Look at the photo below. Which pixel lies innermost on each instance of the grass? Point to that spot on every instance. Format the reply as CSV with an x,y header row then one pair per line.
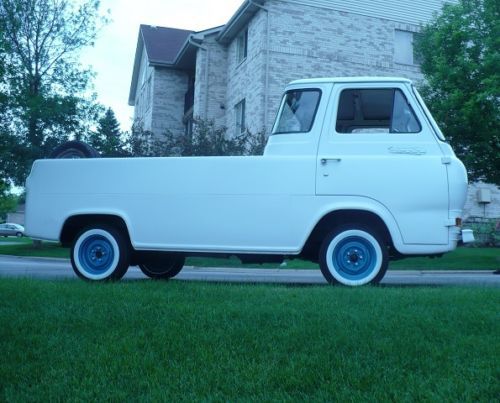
x,y
173,341
25,247
460,259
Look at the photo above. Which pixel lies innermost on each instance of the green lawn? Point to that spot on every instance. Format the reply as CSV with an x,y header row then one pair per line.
x,y
461,258
173,341
25,247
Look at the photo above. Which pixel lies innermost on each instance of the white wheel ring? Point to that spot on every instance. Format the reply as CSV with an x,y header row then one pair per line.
x,y
80,266
340,238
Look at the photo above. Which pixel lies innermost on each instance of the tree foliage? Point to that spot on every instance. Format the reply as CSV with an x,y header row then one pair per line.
x,y
8,202
460,55
44,83
107,139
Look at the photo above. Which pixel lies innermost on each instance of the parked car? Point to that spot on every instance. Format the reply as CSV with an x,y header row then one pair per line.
x,y
9,229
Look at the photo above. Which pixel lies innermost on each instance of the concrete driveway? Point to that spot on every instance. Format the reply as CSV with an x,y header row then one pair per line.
x,y
12,266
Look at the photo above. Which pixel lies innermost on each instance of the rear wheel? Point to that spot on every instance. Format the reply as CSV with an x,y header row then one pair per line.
x,y
353,255
162,265
100,253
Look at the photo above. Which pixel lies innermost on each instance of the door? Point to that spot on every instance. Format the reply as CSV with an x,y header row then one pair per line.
x,y
378,146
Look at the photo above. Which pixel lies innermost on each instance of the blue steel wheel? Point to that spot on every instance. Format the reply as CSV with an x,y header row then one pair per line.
x,y
100,253
353,255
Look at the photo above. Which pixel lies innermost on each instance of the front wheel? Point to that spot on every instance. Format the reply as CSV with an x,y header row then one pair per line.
x,y
162,266
353,255
19,234
100,253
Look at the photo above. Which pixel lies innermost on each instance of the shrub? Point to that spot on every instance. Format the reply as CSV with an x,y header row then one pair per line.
x,y
206,139
486,231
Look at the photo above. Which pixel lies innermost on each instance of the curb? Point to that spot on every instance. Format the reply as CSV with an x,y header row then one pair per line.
x,y
281,269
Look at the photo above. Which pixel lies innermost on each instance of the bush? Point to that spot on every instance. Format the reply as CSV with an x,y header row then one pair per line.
x,y
486,231
206,139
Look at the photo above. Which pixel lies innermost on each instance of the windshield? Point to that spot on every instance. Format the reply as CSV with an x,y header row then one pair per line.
x,y
297,111
434,125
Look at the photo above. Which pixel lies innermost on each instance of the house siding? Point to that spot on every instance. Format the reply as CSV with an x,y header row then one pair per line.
x,y
246,79
407,11
169,87
473,208
210,95
143,111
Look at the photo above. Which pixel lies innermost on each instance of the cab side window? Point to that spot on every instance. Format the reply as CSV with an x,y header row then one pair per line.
x,y
384,110
298,111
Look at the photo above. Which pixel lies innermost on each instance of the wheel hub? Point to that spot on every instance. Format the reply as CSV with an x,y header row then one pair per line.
x,y
354,256
97,253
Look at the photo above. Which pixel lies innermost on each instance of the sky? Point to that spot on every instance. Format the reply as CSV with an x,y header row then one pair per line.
x,y
112,57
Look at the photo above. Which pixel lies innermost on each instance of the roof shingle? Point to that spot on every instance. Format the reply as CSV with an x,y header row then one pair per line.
x,y
163,44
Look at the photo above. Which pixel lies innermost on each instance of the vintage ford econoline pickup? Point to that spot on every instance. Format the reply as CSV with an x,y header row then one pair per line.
x,y
355,172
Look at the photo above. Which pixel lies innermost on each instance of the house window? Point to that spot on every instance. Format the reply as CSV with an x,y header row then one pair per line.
x,y
384,110
188,127
297,111
239,110
148,94
242,46
404,52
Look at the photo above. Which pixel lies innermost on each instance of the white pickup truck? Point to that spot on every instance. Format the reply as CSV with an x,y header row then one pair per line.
x,y
355,172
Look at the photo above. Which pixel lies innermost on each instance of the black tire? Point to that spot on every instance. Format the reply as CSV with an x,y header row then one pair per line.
x,y
353,255
162,265
19,234
74,149
100,253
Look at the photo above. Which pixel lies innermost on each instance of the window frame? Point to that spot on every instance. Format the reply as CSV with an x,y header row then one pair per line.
x,y
242,46
282,105
240,118
414,59
390,132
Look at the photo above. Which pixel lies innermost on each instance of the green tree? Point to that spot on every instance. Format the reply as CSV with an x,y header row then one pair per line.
x,y
460,58
45,83
8,202
108,137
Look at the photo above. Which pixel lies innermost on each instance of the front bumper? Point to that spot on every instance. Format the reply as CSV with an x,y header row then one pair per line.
x,y
467,236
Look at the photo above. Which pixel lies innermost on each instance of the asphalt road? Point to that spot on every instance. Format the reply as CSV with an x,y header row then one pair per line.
x,y
13,266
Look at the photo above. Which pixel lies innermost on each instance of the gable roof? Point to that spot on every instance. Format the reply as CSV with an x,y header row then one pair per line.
x,y
161,45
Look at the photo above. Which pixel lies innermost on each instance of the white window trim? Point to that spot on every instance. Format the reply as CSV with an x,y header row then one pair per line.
x,y
242,46
404,51
240,117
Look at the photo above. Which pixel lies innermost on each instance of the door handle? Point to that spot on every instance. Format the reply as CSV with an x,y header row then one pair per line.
x,y
324,161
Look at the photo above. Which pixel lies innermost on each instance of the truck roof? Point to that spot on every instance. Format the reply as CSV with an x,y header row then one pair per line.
x,y
352,80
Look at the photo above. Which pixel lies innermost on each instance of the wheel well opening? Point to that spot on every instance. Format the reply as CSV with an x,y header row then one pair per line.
x,y
343,217
75,224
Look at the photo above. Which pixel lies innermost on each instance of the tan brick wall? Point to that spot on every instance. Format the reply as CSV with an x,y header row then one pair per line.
x,y
169,88
485,210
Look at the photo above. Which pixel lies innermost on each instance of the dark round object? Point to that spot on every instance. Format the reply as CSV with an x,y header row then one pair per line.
x,y
163,265
100,253
353,255
19,234
74,149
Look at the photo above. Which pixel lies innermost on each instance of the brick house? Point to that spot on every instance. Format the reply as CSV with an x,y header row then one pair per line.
x,y
235,73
